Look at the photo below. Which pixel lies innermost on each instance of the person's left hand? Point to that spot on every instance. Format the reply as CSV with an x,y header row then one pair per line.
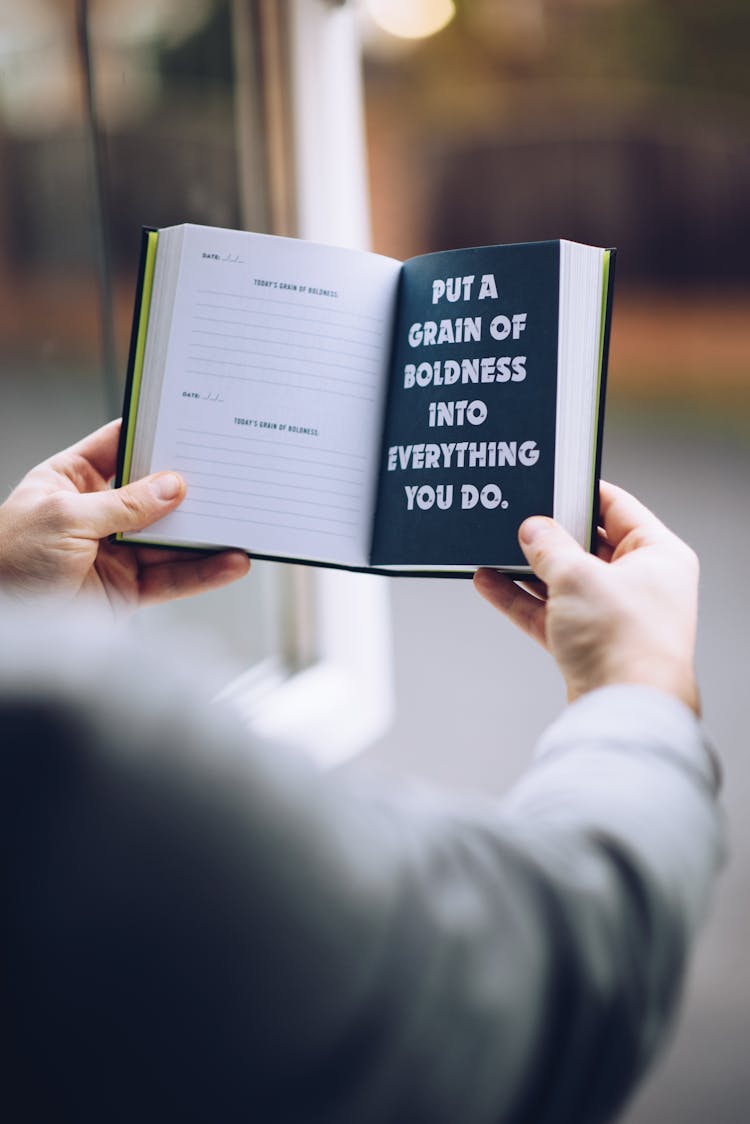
x,y
54,530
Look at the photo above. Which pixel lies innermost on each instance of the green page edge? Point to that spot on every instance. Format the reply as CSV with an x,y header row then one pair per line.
x,y
152,239
140,347
598,395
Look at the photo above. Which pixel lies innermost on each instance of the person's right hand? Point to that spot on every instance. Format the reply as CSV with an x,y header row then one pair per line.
x,y
627,615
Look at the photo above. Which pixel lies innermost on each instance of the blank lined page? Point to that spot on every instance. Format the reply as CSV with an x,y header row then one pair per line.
x,y
273,394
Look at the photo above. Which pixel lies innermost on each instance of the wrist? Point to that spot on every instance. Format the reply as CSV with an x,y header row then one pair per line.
x,y
670,677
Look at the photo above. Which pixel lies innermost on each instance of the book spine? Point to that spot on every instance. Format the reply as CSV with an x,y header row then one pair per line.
x,y
129,405
606,331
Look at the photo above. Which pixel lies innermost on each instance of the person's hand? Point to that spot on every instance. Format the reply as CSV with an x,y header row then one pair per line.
x,y
627,615
54,528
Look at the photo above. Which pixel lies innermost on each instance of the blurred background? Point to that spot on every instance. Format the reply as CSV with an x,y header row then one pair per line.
x,y
616,122
619,123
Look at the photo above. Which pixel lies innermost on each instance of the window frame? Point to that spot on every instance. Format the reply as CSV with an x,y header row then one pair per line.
x,y
330,692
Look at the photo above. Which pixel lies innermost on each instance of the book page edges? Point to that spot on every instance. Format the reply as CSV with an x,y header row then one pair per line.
x,y
608,277
138,349
396,571
581,348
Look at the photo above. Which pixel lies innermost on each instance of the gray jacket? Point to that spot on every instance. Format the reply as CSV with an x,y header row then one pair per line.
x,y
200,928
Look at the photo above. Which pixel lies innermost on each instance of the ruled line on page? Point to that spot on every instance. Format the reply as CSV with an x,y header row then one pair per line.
x,y
320,309
234,464
267,441
285,510
286,331
285,346
268,523
283,350
306,508
270,496
276,382
272,370
269,314
278,483
278,456
295,526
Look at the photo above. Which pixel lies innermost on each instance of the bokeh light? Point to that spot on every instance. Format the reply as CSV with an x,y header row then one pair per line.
x,y
411,19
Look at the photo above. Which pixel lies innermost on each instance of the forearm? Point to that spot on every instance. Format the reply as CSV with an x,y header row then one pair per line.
x,y
512,962
619,814
632,766
563,918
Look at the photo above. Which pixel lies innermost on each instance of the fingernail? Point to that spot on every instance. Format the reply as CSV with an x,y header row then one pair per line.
x,y
166,486
530,530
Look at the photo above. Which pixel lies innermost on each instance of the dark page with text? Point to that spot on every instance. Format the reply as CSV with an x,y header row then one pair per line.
x,y
469,436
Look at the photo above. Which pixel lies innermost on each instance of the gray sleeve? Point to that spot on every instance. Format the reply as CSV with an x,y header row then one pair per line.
x,y
205,930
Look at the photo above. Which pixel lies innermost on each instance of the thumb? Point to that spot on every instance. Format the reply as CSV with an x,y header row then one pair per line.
x,y
132,507
552,553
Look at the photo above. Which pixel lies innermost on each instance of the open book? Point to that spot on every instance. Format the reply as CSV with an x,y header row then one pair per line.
x,y
338,407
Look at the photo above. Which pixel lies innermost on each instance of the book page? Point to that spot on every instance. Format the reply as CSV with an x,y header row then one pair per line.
x,y
273,395
469,445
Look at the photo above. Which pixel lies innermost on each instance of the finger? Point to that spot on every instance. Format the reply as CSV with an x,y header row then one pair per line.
x,y
536,588
523,609
553,554
130,508
622,515
191,575
97,451
603,549
158,555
